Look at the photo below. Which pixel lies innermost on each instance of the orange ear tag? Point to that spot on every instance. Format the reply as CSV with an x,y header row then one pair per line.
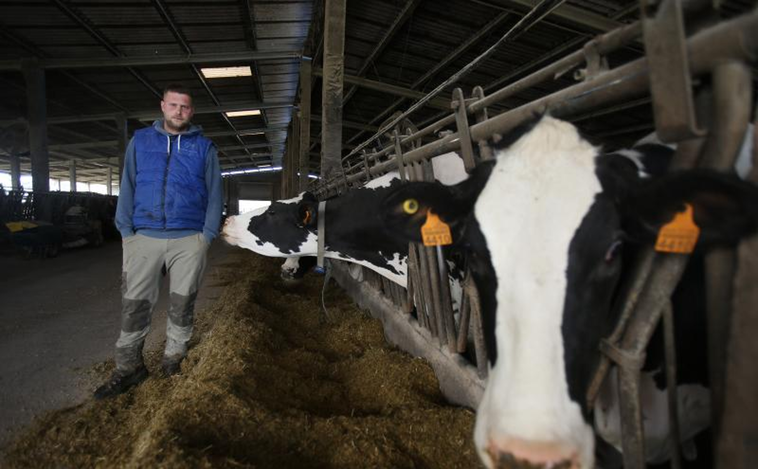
x,y
435,232
679,235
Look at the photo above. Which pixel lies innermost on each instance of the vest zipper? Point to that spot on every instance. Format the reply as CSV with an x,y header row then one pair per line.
x,y
165,180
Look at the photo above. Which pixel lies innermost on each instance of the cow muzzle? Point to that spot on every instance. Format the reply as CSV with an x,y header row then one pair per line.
x,y
522,454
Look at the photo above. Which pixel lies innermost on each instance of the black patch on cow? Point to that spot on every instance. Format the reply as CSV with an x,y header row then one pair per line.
x,y
278,226
354,227
655,158
690,330
479,260
590,284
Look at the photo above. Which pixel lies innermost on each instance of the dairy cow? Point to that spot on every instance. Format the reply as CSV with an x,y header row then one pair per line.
x,y
547,224
354,231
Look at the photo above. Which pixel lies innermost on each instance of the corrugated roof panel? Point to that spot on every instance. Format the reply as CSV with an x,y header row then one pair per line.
x,y
33,13
208,47
119,15
281,30
279,44
300,11
207,13
56,36
149,34
213,32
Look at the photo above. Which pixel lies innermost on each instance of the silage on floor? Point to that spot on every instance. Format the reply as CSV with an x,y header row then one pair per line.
x,y
267,384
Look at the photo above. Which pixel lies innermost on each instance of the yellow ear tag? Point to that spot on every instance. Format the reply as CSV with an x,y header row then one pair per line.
x,y
435,232
679,235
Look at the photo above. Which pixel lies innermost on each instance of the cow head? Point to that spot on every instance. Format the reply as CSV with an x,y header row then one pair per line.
x,y
545,224
283,229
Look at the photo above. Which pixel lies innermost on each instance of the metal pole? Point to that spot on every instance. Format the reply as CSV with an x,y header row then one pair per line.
x,y
72,175
15,161
110,180
305,121
730,40
334,69
732,99
121,131
36,100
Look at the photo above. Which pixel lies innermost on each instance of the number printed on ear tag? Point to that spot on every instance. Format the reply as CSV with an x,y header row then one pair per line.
x,y
680,234
435,232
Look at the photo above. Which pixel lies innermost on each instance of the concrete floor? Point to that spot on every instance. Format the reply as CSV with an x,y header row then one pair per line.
x,y
58,318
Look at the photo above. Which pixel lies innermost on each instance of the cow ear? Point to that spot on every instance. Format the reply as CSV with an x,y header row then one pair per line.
x,y
724,207
404,209
307,213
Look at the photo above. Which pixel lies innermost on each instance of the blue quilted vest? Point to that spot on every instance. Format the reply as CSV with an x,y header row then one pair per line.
x,y
170,191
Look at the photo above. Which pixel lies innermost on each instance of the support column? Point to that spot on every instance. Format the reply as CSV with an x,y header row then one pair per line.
x,y
305,121
15,172
36,105
295,156
121,131
110,181
72,175
334,70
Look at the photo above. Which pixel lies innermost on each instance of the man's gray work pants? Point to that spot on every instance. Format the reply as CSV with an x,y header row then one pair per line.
x,y
141,279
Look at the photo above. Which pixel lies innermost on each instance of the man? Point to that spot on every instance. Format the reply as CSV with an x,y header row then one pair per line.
x,y
168,212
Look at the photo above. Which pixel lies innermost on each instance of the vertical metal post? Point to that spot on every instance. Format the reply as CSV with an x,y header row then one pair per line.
x,y
36,105
485,151
305,121
332,79
461,121
15,172
737,442
121,131
72,175
399,155
732,99
295,157
110,181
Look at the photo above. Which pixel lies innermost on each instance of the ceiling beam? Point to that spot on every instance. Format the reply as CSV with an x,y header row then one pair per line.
x,y
438,103
575,15
405,13
78,18
156,114
449,59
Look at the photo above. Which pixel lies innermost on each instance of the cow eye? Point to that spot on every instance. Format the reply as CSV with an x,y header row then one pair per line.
x,y
614,250
410,206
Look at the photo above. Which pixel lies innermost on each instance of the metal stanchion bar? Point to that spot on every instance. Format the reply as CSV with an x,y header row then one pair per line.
x,y
606,43
729,40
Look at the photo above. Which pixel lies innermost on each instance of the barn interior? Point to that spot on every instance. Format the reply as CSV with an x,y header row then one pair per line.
x,y
79,77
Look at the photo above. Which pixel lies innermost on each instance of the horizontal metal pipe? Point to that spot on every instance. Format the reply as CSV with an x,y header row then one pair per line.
x,y
605,44
729,40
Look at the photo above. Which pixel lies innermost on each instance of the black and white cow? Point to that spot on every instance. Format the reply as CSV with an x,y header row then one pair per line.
x,y
545,224
354,230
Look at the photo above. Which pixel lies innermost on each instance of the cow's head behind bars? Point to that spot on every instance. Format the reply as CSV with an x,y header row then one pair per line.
x,y
545,223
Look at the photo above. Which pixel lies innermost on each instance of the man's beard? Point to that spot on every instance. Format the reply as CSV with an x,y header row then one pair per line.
x,y
169,123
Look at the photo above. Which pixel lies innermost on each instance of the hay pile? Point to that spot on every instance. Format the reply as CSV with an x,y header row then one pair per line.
x,y
267,385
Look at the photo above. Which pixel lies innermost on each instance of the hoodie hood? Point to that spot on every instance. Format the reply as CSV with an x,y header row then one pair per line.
x,y
193,129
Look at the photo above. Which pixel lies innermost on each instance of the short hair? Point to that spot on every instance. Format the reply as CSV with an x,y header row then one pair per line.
x,y
177,88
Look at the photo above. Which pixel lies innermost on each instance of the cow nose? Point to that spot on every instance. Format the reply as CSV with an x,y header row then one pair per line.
x,y
516,453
